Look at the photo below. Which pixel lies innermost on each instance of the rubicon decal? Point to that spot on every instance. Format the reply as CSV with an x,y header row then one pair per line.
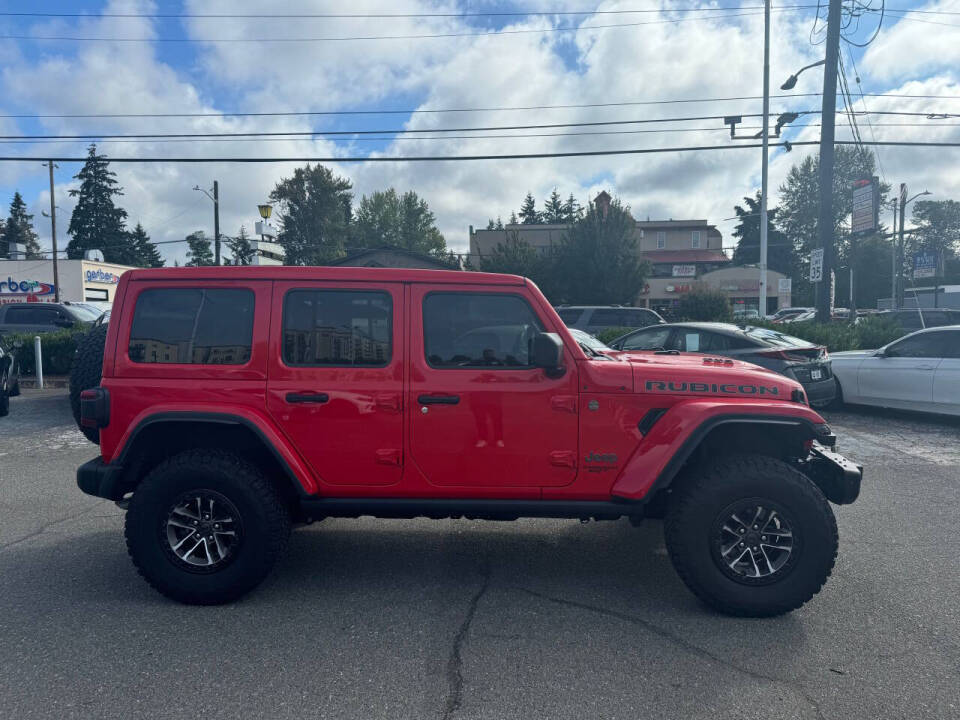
x,y
719,388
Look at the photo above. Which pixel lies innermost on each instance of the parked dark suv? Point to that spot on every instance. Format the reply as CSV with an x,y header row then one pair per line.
x,y
43,317
595,318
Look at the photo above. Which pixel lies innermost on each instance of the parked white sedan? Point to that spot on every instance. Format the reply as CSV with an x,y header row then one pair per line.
x,y
918,372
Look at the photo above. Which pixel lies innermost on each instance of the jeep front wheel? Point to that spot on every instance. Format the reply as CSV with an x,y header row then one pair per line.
x,y
751,536
205,527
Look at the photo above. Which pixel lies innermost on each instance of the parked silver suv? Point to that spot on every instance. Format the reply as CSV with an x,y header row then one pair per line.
x,y
594,318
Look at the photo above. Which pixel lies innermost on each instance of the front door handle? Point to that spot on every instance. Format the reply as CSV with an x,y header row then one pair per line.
x,y
307,397
438,399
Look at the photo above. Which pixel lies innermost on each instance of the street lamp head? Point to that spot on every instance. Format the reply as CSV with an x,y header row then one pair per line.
x,y
790,84
265,211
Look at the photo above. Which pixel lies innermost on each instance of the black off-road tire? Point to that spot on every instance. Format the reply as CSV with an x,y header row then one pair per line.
x,y
264,521
697,505
86,372
15,383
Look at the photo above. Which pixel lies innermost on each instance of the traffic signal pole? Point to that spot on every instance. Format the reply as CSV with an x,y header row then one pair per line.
x,y
827,135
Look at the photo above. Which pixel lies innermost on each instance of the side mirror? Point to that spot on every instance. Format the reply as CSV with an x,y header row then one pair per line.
x,y
881,353
547,353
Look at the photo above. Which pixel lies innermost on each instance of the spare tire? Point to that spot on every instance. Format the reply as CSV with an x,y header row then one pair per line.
x,y
85,373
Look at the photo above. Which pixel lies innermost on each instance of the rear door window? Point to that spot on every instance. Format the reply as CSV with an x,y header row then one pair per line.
x,y
463,330
607,317
337,328
31,315
193,326
569,315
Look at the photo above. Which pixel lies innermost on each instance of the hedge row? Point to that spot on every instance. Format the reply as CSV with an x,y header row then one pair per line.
x,y
57,347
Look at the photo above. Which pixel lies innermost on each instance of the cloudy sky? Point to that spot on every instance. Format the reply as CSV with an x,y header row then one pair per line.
x,y
624,59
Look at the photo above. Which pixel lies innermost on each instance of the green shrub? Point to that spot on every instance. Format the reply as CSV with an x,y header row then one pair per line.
x,y
57,347
876,331
703,304
609,334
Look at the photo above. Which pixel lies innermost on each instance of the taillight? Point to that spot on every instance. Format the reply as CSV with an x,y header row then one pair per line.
x,y
95,408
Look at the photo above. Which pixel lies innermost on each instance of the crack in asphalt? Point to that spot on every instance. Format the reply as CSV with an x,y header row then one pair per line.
x,y
678,641
455,662
46,526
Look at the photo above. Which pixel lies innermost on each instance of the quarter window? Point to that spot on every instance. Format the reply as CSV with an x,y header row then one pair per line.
x,y
192,326
337,327
463,330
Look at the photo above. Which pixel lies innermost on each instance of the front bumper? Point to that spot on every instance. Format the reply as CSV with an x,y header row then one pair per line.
x,y
101,479
837,477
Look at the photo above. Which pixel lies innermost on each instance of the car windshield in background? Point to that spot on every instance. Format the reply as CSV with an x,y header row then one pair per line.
x,y
589,340
772,337
84,313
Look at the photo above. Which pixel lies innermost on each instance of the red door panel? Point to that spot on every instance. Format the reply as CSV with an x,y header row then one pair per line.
x,y
501,424
336,378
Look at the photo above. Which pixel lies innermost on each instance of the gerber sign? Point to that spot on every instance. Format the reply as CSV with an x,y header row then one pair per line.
x,y
101,276
11,286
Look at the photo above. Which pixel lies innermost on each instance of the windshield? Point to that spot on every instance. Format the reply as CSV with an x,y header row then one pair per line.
x,y
84,313
772,337
584,338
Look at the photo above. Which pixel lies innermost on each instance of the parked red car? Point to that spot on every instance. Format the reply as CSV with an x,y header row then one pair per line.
x,y
236,401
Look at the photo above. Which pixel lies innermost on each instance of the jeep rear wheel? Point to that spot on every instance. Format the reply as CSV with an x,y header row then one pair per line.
x,y
205,527
751,536
85,373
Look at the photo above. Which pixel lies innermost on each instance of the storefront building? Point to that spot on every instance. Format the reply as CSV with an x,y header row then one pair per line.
x,y
80,280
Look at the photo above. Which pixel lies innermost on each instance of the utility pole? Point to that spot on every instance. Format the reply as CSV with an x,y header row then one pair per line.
x,y
216,223
903,215
893,260
762,307
53,236
828,118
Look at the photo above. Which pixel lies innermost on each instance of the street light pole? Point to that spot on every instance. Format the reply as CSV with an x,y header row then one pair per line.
x,y
216,223
762,307
827,134
53,236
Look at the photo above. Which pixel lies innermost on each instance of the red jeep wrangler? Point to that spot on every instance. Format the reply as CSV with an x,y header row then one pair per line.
x,y
237,401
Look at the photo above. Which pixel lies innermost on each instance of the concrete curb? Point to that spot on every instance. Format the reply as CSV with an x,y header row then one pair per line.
x,y
49,381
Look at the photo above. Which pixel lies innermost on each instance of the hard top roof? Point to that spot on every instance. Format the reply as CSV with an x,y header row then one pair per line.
x,y
324,272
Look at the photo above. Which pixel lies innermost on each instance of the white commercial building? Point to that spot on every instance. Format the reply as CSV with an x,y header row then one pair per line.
x,y
80,280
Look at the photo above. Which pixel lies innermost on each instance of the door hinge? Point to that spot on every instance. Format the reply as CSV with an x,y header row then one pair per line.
x,y
564,403
563,458
389,402
389,456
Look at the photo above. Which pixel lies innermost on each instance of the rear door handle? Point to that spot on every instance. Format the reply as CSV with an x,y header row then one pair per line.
x,y
439,399
307,397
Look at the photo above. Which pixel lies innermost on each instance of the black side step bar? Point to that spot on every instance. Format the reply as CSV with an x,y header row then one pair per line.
x,y
467,508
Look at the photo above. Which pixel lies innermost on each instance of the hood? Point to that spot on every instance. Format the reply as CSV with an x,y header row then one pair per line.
x,y
707,376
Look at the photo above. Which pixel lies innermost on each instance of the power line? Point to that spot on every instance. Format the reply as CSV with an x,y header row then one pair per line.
x,y
422,131
723,129
420,36
415,111
462,158
397,15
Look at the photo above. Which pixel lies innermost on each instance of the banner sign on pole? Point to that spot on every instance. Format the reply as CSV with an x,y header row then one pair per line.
x,y
816,265
925,265
866,206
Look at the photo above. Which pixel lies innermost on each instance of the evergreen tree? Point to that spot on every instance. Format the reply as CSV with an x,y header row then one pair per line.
x,y
199,252
553,210
528,211
315,211
498,225
146,253
597,262
572,210
780,253
386,219
490,225
240,248
96,223
513,218
19,229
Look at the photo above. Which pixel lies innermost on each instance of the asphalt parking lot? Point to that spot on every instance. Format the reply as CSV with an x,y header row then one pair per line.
x,y
455,619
